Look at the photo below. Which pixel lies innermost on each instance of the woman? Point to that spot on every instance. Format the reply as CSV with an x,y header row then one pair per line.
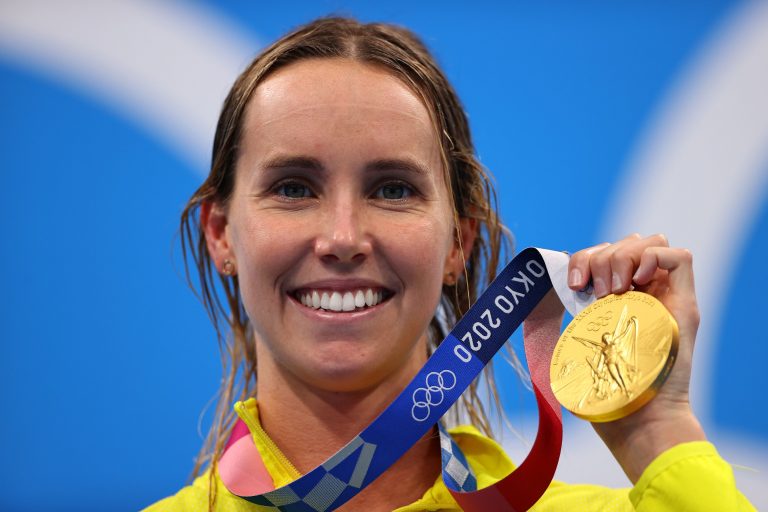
x,y
344,207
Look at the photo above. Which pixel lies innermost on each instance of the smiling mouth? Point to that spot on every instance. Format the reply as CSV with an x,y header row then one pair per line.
x,y
341,301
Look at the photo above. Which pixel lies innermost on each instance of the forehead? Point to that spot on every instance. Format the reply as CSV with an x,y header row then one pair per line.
x,y
308,103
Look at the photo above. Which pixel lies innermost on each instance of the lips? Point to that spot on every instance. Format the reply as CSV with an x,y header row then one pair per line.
x,y
347,300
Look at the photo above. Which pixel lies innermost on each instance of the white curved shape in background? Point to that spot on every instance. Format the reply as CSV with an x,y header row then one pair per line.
x,y
165,65
700,174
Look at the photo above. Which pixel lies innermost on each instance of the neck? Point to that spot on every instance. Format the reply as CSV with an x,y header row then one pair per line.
x,y
310,424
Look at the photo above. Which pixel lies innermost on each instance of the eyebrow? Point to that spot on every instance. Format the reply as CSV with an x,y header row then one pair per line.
x,y
403,164
294,162
381,164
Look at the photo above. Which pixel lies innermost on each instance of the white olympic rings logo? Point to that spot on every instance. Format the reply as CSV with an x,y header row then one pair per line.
x,y
432,394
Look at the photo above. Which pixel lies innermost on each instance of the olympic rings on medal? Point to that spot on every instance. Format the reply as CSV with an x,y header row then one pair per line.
x,y
432,394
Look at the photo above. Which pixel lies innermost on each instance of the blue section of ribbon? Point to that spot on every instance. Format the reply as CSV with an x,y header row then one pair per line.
x,y
501,309
462,355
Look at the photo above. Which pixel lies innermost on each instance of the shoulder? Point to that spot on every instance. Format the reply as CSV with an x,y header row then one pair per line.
x,y
195,497
490,464
485,456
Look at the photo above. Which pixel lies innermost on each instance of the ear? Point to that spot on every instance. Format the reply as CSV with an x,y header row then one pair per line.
x,y
461,250
213,220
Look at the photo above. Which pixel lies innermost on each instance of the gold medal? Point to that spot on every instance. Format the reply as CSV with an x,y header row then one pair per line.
x,y
614,356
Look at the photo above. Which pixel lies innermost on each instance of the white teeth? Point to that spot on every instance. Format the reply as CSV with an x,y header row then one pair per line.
x,y
348,302
336,302
315,300
341,301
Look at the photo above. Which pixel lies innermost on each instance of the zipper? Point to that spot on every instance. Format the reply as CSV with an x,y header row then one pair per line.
x,y
255,427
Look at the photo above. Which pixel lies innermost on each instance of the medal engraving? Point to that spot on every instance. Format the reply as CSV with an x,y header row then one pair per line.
x,y
614,356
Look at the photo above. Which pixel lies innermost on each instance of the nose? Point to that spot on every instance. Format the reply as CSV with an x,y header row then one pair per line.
x,y
343,235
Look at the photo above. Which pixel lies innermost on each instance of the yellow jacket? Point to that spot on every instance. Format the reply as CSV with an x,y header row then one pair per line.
x,y
690,476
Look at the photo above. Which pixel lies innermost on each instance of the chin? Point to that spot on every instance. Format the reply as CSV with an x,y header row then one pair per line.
x,y
343,375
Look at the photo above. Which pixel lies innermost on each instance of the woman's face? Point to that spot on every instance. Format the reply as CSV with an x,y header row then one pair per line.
x,y
340,224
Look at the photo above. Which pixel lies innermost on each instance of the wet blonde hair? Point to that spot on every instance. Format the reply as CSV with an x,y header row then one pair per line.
x,y
402,54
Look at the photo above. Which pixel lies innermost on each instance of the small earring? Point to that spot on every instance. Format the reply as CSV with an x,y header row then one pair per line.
x,y
228,269
449,279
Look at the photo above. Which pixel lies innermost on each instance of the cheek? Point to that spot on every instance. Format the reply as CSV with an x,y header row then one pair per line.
x,y
265,250
421,249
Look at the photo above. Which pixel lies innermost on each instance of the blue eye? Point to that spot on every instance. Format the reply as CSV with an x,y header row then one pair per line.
x,y
394,191
293,190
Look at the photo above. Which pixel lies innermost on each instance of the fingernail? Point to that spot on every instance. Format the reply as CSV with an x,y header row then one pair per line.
x,y
615,282
574,279
600,288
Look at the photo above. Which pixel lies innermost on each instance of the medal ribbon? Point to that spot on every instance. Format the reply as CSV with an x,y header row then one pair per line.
x,y
511,298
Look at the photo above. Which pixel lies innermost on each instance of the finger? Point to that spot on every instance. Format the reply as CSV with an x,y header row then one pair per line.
x,y
658,286
600,264
678,262
580,272
600,270
612,267
578,266
625,259
680,298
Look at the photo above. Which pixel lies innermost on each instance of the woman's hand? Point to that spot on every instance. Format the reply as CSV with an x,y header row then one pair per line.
x,y
648,265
